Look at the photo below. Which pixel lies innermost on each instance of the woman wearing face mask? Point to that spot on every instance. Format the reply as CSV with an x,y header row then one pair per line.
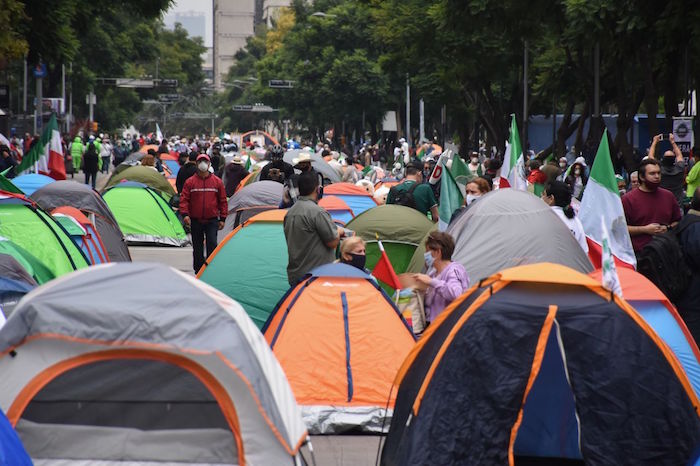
x,y
352,252
446,280
557,195
474,163
577,179
476,188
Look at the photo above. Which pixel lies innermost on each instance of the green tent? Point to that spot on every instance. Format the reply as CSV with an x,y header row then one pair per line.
x,y
29,227
145,175
31,264
143,215
400,229
250,265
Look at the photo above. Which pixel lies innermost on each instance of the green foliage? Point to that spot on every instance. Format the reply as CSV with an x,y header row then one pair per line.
x,y
12,44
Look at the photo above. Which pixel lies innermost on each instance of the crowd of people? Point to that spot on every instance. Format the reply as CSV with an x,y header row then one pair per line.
x,y
655,197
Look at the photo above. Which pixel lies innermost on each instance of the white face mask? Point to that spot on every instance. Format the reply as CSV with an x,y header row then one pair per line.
x,y
203,166
562,165
577,172
429,259
475,160
471,198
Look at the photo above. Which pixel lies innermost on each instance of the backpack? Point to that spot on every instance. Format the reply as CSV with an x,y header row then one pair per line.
x,y
663,262
406,198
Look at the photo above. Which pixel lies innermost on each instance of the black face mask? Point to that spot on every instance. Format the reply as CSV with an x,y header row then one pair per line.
x,y
668,161
358,261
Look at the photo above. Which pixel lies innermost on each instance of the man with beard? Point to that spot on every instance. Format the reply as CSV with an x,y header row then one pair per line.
x,y
650,210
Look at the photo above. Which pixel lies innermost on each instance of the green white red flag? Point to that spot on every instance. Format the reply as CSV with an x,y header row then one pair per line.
x,y
513,168
47,154
601,200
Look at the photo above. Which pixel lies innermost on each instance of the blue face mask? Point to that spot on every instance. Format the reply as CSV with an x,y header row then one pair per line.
x,y
429,259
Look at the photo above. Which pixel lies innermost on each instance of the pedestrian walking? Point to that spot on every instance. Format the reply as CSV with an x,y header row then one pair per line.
x,y
203,207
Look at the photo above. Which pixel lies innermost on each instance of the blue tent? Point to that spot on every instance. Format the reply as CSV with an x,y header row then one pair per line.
x,y
31,182
12,453
173,166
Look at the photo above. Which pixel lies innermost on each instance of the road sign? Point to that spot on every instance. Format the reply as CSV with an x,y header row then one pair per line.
x,y
257,108
40,70
167,82
280,84
90,99
134,83
169,97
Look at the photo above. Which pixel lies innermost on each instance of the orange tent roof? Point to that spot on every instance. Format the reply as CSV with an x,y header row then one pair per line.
x,y
345,188
144,149
72,212
274,215
334,203
635,286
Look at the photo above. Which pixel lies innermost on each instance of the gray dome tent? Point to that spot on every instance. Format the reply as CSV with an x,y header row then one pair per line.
x,y
173,373
82,197
507,228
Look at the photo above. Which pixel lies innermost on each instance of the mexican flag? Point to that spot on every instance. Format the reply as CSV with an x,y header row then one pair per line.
x,y
513,168
451,199
611,280
47,154
159,134
601,199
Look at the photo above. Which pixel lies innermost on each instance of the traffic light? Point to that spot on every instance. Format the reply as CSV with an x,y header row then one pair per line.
x,y
94,126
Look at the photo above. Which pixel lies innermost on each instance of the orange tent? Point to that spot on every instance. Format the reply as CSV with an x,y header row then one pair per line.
x,y
340,340
144,149
338,208
345,188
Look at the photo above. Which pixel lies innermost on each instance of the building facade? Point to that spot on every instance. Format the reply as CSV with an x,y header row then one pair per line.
x,y
234,22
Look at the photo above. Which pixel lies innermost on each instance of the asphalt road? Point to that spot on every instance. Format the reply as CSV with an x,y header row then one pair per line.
x,y
330,450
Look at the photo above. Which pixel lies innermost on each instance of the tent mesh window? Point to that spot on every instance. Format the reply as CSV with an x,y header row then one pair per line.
x,y
141,394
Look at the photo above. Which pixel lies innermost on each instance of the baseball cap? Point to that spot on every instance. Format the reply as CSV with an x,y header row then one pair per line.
x,y
203,157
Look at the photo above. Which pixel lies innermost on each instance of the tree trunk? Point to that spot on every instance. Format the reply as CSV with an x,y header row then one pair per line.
x,y
565,130
651,94
578,144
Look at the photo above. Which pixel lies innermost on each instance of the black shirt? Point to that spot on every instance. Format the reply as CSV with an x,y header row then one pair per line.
x,y
280,165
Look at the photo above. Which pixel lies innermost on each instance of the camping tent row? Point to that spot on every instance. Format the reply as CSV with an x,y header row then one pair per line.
x,y
197,384
32,229
91,204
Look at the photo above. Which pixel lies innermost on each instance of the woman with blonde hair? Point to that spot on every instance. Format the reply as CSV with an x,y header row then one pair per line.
x,y
352,252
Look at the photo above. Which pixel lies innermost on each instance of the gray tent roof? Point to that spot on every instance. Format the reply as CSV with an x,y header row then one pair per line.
x,y
260,193
317,163
82,197
162,307
506,228
256,194
10,268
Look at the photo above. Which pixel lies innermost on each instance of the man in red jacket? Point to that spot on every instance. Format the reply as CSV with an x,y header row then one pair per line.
x,y
203,207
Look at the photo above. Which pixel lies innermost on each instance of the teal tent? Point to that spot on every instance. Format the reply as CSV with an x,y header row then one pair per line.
x,y
250,265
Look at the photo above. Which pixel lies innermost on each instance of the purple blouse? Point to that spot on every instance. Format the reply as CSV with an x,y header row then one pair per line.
x,y
445,288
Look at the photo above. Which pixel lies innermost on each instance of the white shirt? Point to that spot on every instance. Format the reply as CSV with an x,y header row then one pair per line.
x,y
574,225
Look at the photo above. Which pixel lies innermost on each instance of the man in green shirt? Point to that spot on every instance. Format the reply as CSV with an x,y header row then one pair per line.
x,y
309,230
414,193
693,178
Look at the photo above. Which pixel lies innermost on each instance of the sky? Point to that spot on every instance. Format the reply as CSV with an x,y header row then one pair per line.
x,y
200,6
